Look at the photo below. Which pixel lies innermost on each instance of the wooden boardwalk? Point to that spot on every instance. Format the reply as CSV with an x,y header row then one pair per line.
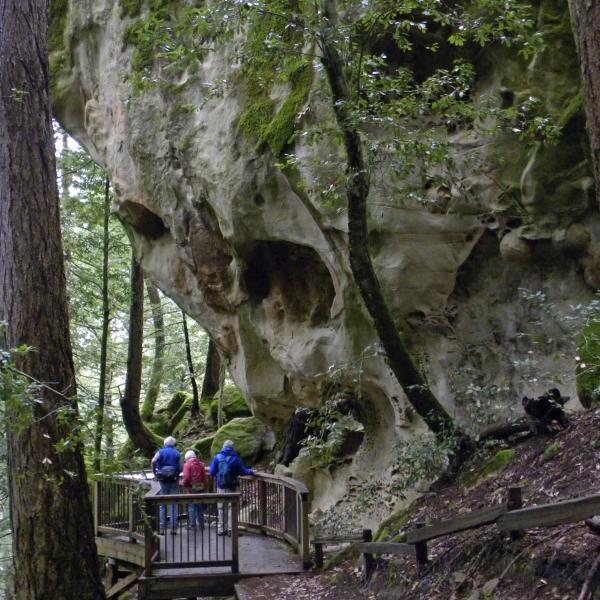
x,y
268,520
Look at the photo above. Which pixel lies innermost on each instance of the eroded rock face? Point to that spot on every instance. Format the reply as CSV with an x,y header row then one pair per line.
x,y
258,256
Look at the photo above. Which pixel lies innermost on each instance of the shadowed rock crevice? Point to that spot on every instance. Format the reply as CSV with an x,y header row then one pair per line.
x,y
293,277
144,221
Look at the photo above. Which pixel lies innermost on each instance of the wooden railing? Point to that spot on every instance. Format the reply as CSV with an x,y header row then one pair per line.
x,y
276,506
127,521
510,517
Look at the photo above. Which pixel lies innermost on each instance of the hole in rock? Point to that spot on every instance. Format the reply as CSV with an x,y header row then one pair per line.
x,y
144,221
294,276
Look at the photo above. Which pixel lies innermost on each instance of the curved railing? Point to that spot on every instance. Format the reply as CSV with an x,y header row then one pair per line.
x,y
127,521
276,506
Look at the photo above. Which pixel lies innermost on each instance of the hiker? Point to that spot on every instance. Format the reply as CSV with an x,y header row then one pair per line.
x,y
166,466
194,481
227,467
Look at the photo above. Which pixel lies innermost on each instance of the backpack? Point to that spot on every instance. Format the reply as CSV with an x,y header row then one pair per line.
x,y
167,473
227,478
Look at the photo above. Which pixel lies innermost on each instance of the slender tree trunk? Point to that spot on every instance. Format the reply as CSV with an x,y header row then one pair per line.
x,y
104,335
221,396
53,538
159,350
139,435
188,352
585,15
210,383
109,434
408,375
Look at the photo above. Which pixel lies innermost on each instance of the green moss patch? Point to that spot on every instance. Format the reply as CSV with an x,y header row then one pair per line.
x,y
492,466
131,8
59,10
588,365
234,405
203,448
388,530
246,433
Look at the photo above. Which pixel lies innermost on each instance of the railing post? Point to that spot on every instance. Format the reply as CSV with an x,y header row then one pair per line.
x,y
368,560
235,507
149,539
96,506
304,549
130,510
421,549
514,502
262,504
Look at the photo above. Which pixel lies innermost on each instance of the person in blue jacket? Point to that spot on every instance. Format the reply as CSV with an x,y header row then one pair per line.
x,y
227,467
166,466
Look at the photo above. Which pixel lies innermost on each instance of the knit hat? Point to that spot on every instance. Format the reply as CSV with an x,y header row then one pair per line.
x,y
170,441
190,454
228,444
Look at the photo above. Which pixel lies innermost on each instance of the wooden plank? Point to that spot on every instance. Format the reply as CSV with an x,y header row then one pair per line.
x,y
122,586
126,552
387,548
339,539
547,515
471,520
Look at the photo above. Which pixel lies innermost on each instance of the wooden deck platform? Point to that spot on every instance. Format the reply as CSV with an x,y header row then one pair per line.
x,y
259,556
268,519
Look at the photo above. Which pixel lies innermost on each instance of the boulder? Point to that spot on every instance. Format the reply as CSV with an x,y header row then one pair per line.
x,y
247,433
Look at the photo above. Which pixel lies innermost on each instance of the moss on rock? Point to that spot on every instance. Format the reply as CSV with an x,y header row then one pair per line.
x,y
59,10
234,405
389,528
203,448
247,433
491,467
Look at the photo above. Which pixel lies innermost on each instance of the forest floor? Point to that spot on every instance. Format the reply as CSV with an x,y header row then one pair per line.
x,y
482,564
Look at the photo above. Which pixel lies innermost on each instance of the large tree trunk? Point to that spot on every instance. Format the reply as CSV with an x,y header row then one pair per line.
x,y
408,375
159,350
195,409
54,551
139,435
586,22
210,383
104,336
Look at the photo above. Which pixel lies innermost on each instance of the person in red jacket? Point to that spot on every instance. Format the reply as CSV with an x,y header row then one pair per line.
x,y
194,481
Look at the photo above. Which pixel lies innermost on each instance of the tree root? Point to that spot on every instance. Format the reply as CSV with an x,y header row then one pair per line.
x,y
591,581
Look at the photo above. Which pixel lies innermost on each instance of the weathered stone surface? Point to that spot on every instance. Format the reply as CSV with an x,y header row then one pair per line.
x,y
258,255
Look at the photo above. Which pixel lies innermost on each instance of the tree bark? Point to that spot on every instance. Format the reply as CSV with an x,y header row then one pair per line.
x,y
104,335
139,435
408,375
195,409
53,538
585,15
210,383
159,350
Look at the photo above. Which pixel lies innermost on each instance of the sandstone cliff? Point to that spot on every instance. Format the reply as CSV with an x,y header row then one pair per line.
x,y
481,271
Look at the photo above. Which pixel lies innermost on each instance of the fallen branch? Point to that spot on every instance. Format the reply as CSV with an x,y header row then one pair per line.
x,y
505,430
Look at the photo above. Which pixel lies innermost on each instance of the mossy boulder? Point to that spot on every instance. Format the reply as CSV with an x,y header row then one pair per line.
x,y
234,405
247,433
203,448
